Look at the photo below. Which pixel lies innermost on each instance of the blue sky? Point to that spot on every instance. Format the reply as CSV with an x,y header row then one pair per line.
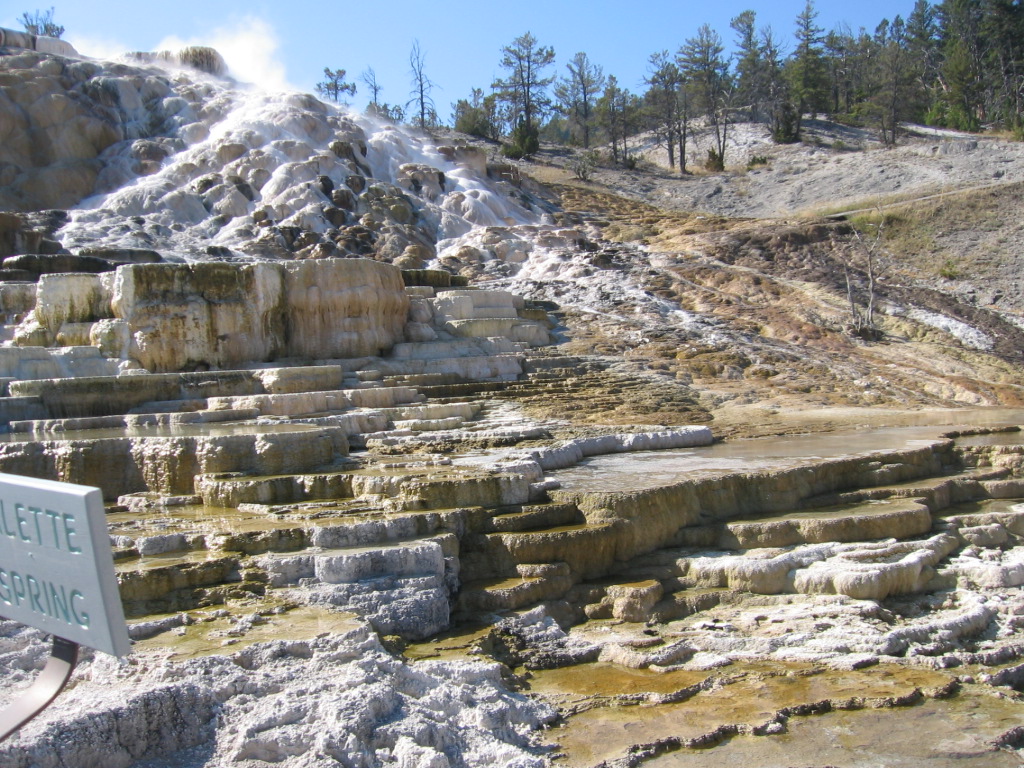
x,y
289,43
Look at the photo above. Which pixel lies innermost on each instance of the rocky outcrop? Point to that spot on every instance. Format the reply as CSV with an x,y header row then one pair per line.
x,y
62,118
42,43
181,317
173,317
218,315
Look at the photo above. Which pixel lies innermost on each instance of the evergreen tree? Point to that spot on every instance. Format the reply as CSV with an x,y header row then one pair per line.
x,y
477,116
524,90
808,83
333,86
783,118
961,73
750,65
618,111
923,46
839,46
394,114
665,105
1002,25
893,75
577,95
702,62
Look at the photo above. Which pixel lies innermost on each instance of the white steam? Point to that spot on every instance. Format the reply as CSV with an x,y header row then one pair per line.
x,y
104,48
249,46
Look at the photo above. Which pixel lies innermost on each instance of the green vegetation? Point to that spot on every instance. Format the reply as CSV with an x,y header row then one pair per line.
x,y
584,163
524,141
957,64
334,86
949,269
524,91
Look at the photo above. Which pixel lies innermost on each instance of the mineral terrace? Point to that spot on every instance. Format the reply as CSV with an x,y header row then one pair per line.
x,y
408,456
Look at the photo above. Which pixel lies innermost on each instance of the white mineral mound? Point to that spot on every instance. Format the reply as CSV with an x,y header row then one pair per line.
x,y
231,157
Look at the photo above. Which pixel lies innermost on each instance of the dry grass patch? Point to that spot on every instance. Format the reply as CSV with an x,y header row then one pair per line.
x,y
952,236
622,219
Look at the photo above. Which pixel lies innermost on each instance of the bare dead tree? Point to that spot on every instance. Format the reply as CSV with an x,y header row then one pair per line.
x,y
422,85
867,256
369,77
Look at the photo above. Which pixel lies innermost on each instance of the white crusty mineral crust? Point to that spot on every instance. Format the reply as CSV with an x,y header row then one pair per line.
x,y
337,700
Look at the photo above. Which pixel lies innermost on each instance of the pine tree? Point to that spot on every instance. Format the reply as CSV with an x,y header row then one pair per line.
x,y
702,61
808,82
961,74
892,77
923,44
617,113
750,64
577,95
666,105
334,86
524,90
477,115
1002,25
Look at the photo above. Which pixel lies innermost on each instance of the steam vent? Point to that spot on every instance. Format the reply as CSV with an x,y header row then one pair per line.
x,y
416,456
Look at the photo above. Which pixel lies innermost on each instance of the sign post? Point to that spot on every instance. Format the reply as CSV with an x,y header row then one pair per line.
x,y
57,575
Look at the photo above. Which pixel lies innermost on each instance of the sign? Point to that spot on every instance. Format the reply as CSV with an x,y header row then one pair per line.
x,y
56,568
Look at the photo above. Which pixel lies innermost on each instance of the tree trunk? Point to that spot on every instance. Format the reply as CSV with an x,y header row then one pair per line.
x,y
682,148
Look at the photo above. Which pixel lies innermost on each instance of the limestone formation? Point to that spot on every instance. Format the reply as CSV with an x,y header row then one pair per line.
x,y
320,433
172,317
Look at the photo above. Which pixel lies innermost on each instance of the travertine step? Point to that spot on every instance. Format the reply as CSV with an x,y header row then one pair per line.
x,y
536,362
133,420
402,587
443,392
536,517
396,559
937,492
21,409
866,521
588,550
109,395
984,518
178,582
231,490
423,380
168,460
532,584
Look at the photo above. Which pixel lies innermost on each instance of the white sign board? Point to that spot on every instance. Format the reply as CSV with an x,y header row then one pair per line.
x,y
56,568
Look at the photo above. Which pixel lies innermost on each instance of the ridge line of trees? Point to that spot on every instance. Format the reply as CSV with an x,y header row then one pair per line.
x,y
956,64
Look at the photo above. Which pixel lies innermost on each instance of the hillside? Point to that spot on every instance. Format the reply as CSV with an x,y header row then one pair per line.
x,y
759,278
